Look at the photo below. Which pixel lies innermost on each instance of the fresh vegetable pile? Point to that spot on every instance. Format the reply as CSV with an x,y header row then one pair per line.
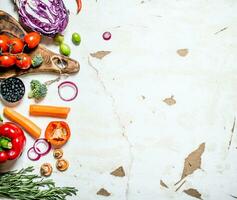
x,y
48,18
12,142
12,51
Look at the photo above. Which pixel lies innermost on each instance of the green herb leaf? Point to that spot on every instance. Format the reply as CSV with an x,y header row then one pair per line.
x,y
24,185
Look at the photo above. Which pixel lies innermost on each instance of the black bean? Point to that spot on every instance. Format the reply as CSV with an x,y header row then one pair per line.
x,y
12,89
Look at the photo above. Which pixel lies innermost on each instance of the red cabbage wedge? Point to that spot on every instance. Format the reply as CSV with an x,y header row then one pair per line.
x,y
48,17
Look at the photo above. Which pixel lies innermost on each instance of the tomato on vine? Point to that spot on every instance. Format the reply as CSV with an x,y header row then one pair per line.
x,y
16,45
32,39
4,39
23,61
7,60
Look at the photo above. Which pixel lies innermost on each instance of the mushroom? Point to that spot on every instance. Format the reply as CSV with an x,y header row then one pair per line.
x,y
58,153
46,169
62,164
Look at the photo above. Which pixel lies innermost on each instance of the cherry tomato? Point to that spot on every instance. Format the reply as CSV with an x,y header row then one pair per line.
x,y
7,61
32,39
4,39
16,45
23,61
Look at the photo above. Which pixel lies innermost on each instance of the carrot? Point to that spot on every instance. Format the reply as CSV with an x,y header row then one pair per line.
x,y
27,124
49,111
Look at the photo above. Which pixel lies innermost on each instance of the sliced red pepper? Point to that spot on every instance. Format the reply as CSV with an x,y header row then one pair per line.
x,y
57,133
12,141
79,5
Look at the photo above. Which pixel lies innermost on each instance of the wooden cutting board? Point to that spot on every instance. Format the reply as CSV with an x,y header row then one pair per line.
x,y
53,62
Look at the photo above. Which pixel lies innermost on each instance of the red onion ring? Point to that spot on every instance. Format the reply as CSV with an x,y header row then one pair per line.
x,y
42,150
32,155
107,35
67,84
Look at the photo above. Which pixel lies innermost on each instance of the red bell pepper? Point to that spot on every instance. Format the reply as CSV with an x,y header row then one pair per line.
x,y
12,141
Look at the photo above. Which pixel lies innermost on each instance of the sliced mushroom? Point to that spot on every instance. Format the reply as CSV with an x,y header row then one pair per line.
x,y
62,164
58,153
46,169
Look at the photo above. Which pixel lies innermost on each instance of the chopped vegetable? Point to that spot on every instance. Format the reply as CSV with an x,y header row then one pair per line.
x,y
79,5
32,155
46,169
57,133
32,39
49,111
67,84
23,61
12,141
37,61
42,146
24,184
62,165
59,38
65,49
46,17
107,35
12,90
58,153
76,38
27,124
38,90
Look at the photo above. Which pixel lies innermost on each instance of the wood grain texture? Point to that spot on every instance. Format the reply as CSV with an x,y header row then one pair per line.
x,y
52,61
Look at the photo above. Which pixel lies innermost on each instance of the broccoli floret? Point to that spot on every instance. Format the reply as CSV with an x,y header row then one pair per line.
x,y
38,90
37,61
34,84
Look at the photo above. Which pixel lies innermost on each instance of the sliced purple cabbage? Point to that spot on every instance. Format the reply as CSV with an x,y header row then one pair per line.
x,y
48,17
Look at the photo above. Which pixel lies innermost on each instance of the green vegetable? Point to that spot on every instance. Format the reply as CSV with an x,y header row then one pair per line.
x,y
59,38
37,61
38,90
65,49
5,143
23,185
76,38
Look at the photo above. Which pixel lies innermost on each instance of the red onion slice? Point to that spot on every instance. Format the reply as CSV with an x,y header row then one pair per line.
x,y
42,146
32,155
68,84
107,35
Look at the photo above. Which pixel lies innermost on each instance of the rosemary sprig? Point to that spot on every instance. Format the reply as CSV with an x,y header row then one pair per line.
x,y
23,185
